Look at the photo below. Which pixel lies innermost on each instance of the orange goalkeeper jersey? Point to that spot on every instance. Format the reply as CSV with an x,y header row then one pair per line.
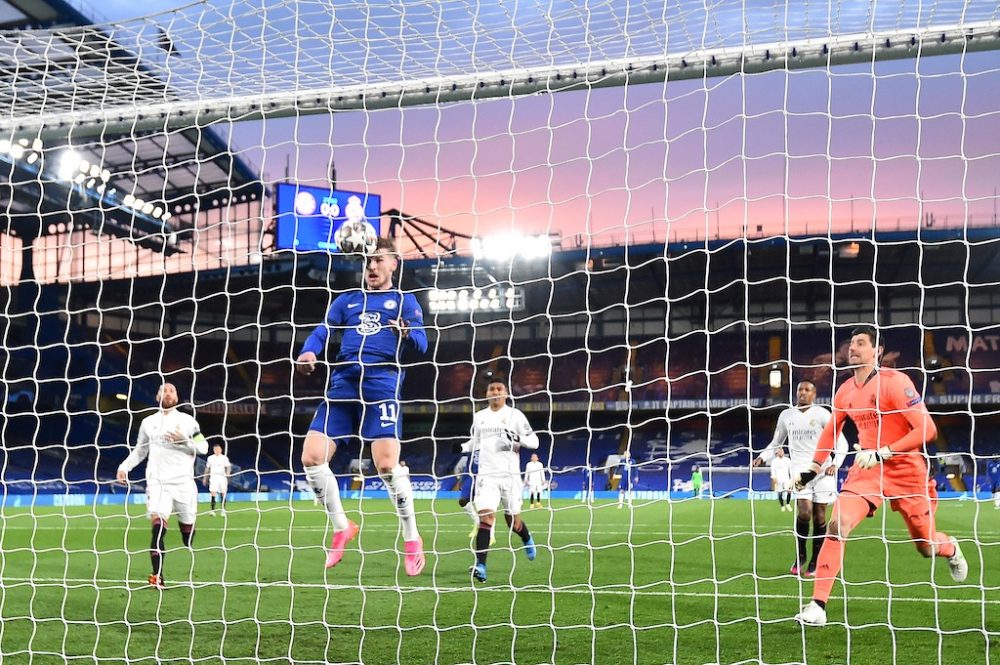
x,y
886,409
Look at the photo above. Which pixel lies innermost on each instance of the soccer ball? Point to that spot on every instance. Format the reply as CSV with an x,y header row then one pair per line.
x,y
355,237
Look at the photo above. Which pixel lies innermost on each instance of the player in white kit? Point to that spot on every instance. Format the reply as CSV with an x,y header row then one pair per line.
x,y
172,440
499,432
217,471
534,480
781,479
801,426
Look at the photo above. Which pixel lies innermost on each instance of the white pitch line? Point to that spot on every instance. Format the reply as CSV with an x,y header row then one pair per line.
x,y
137,585
715,533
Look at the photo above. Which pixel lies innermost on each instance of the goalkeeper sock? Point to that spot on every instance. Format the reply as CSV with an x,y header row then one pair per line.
x,y
801,536
324,484
819,537
470,510
483,541
945,547
401,493
827,567
187,534
157,551
523,532
213,502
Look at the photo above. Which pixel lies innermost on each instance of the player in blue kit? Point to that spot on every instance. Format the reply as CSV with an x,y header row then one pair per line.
x,y
626,471
466,496
378,326
993,468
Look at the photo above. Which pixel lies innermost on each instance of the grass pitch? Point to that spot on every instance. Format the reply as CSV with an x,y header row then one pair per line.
x,y
682,582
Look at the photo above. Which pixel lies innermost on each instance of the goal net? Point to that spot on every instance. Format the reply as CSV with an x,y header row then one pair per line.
x,y
654,220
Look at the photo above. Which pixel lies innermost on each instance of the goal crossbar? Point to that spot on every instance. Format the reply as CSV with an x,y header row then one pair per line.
x,y
751,58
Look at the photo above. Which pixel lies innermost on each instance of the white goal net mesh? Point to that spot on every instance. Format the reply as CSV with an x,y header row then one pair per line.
x,y
653,220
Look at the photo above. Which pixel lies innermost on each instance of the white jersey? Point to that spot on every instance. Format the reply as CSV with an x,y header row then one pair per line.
x,y
497,456
534,474
169,462
217,466
781,471
802,428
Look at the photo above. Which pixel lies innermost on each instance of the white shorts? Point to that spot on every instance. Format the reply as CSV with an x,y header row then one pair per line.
x,y
821,489
176,498
535,489
491,491
783,485
218,484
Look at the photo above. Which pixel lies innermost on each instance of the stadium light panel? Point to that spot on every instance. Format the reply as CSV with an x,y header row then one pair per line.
x,y
774,377
507,247
68,165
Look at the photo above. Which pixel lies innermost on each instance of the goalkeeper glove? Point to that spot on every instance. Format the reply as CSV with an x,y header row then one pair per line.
x,y
806,477
866,458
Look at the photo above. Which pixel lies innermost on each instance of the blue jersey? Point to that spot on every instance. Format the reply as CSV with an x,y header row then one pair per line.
x,y
625,470
367,375
468,478
993,468
367,339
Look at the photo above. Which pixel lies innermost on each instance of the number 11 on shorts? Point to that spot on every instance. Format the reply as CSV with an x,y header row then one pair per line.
x,y
389,411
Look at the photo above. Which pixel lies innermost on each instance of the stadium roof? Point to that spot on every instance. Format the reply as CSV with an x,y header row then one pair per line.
x,y
188,169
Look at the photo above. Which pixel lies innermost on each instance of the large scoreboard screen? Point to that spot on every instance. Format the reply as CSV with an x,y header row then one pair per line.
x,y
308,217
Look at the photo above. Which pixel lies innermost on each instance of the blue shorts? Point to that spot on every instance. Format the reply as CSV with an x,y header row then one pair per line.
x,y
372,402
468,483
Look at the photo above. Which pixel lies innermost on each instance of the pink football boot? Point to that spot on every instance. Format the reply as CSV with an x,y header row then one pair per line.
x,y
414,556
339,542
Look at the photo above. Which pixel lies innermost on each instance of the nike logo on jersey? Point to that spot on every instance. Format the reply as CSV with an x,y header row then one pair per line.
x,y
352,304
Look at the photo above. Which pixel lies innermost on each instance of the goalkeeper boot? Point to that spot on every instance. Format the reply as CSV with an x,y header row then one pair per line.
x,y
529,548
479,572
414,562
957,564
794,570
156,582
339,542
811,570
812,615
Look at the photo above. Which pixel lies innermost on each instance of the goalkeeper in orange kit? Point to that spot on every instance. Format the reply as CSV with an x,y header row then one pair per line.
x,y
890,465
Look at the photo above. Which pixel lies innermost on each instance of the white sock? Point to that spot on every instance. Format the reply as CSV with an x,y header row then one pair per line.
x,y
470,510
996,498
401,494
327,490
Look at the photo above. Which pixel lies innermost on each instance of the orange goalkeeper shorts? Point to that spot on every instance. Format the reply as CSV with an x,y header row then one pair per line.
x,y
913,496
